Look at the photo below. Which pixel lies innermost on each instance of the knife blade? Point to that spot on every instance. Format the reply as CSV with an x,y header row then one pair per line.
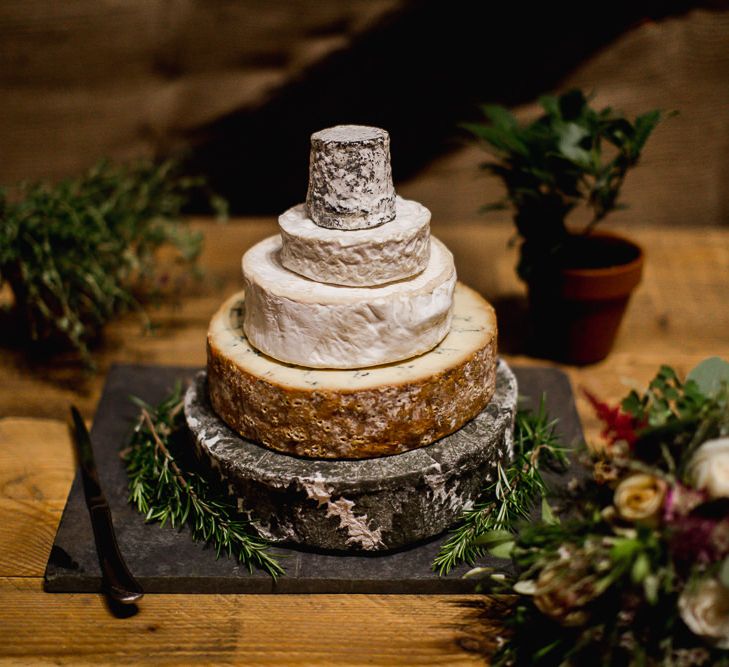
x,y
118,581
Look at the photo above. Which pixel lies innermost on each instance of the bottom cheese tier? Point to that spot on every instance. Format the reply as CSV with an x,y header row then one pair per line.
x,y
364,505
353,413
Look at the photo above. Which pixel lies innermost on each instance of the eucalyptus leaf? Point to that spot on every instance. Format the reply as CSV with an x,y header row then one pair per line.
x,y
710,375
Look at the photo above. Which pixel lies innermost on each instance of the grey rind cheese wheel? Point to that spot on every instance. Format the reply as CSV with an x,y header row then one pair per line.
x,y
353,413
359,258
367,505
301,321
350,178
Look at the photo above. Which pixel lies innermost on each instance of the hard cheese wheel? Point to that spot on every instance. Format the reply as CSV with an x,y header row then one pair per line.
x,y
303,322
365,257
353,413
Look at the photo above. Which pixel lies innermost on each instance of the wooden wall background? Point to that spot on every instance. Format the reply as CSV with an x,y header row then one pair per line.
x,y
83,79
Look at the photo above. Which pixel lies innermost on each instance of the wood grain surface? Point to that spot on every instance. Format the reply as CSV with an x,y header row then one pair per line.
x,y
679,315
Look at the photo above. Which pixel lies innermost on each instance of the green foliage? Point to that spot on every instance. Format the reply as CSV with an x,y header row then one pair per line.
x,y
676,417
571,154
607,584
489,526
165,492
73,253
710,376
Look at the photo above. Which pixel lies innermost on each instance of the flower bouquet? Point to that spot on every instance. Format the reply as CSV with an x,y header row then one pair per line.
x,y
637,570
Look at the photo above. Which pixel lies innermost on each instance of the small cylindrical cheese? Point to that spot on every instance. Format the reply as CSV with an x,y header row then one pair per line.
x,y
350,178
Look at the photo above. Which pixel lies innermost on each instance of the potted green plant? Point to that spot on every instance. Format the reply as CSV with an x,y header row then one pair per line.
x,y
579,281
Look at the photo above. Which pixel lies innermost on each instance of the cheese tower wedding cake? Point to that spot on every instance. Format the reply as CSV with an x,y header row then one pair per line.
x,y
353,400
352,338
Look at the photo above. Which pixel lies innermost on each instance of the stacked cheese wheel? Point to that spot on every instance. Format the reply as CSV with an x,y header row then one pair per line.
x,y
346,342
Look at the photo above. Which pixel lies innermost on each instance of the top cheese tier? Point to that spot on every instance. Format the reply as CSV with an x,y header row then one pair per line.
x,y
350,178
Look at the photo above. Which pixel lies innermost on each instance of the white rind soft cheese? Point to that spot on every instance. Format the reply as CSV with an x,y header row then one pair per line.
x,y
299,321
328,413
350,178
396,250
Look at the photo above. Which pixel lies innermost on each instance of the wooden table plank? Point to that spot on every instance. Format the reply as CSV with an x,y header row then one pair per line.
x,y
181,629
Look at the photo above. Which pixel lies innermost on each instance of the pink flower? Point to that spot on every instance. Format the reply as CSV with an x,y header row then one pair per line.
x,y
680,501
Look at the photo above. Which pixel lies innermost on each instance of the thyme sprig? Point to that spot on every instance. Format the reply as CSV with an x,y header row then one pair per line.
x,y
510,498
164,490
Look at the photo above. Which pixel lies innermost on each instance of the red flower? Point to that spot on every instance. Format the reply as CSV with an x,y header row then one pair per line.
x,y
619,425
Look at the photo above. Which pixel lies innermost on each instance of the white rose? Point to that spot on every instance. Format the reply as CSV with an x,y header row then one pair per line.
x,y
709,468
704,609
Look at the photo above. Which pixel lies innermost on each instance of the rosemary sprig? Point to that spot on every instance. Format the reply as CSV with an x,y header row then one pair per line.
x,y
510,498
164,491
76,253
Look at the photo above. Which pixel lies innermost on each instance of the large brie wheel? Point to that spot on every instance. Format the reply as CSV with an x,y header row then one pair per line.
x,y
353,413
364,257
300,321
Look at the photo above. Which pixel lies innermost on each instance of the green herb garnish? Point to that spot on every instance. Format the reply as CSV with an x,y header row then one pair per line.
x,y
510,498
164,491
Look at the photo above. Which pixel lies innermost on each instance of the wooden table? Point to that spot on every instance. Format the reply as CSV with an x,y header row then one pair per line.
x,y
679,315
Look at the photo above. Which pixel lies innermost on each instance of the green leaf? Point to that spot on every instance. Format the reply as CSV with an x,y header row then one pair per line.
x,y
499,543
550,104
710,375
499,116
572,104
570,136
632,404
641,568
624,548
724,573
651,585
644,126
548,515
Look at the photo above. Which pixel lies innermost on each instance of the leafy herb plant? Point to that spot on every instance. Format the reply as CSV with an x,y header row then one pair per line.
x,y
74,254
571,154
165,490
506,502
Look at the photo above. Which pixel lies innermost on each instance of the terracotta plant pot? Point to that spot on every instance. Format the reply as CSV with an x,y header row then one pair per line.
x,y
576,310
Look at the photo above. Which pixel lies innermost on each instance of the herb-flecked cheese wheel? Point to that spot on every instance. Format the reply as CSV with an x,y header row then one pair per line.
x,y
358,413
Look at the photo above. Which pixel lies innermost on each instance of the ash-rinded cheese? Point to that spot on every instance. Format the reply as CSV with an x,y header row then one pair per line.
x,y
350,178
300,321
353,413
364,257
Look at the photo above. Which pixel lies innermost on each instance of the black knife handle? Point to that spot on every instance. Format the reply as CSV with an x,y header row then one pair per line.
x,y
119,582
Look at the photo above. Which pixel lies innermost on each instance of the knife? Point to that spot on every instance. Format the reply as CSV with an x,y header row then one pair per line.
x,y
118,582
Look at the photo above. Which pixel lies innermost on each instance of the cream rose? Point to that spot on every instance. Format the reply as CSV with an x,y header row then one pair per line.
x,y
639,497
709,468
704,608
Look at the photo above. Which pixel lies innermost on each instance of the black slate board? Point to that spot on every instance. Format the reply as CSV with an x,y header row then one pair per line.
x,y
165,560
